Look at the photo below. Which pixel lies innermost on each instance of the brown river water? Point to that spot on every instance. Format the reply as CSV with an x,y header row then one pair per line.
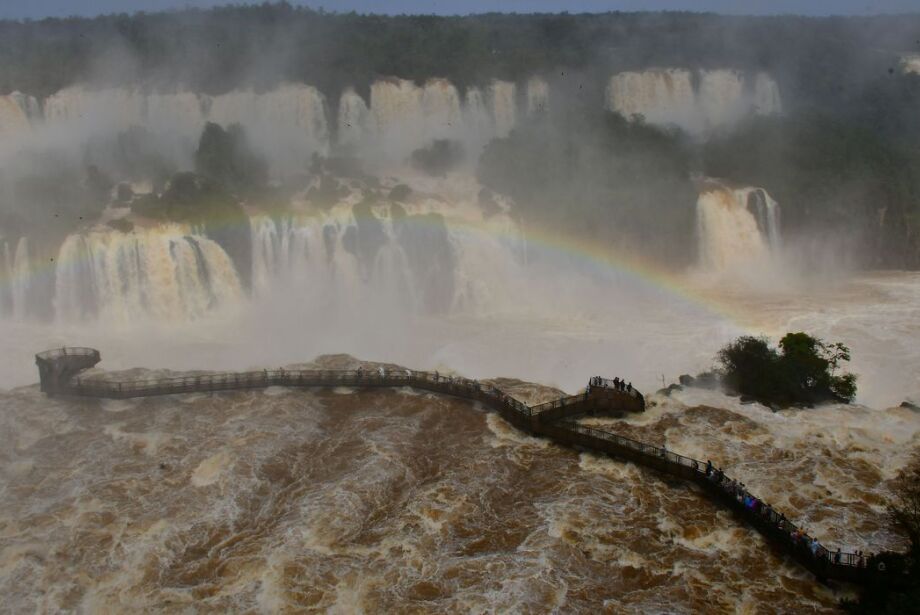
x,y
347,501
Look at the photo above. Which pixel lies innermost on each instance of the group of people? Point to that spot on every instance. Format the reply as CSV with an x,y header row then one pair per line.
x,y
616,384
754,505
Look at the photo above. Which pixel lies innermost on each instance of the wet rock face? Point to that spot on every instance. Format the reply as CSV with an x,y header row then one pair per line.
x,y
366,237
425,241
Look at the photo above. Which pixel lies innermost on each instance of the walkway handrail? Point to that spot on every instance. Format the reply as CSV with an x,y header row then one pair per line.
x,y
538,419
71,351
562,402
788,527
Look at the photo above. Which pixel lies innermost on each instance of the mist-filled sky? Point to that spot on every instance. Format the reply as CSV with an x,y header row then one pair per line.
x,y
36,9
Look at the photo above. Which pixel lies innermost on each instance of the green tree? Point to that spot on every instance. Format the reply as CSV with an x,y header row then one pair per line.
x,y
226,157
803,370
747,365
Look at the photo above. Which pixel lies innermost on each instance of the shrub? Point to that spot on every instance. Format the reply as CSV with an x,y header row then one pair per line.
x,y
438,157
803,370
226,157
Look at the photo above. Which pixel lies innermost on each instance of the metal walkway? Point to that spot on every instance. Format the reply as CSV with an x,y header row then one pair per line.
x,y
60,372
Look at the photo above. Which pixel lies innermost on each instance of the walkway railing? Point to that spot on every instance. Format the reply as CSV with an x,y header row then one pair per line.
x,y
705,474
552,419
69,351
101,387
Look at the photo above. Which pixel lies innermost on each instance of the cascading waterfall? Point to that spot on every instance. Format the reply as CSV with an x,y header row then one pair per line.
x,y
737,227
766,98
6,278
423,258
537,96
162,273
402,116
720,97
476,114
504,106
437,254
661,96
668,96
15,277
21,279
329,266
354,117
17,112
288,123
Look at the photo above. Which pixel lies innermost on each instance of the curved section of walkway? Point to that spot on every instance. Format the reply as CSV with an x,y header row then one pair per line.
x,y
59,370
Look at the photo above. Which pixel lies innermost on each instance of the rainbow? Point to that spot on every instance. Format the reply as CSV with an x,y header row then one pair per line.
x,y
588,253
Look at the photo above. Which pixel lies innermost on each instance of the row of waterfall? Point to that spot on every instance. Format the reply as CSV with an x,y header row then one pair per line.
x,y
289,123
424,258
295,119
697,101
166,273
429,257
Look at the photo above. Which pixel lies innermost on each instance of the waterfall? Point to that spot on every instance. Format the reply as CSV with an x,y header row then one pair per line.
x,y
661,96
441,114
6,278
17,112
737,227
766,100
537,96
403,116
333,262
287,123
417,258
668,96
396,109
162,273
110,109
720,97
476,115
21,279
504,106
910,64
353,118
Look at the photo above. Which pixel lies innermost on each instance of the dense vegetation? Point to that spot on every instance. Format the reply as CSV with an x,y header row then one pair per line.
x,y
438,157
802,371
226,157
599,176
834,177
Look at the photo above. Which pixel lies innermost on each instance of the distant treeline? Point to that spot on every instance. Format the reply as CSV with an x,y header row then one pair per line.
x,y
817,61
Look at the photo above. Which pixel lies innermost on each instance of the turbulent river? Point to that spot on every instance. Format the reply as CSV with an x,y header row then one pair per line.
x,y
356,501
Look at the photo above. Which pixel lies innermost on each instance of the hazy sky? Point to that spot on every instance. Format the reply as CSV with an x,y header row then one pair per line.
x,y
18,9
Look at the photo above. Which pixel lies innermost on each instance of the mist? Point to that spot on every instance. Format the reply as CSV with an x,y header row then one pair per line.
x,y
391,204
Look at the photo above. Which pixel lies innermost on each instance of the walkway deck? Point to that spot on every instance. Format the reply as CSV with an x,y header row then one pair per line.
x,y
60,373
